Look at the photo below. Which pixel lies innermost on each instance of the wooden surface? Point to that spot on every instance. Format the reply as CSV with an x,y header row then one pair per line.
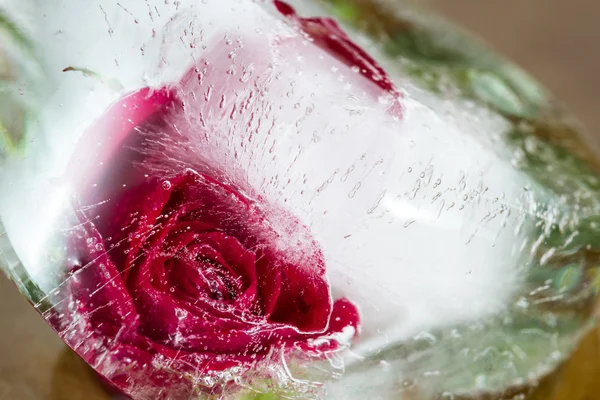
x,y
556,40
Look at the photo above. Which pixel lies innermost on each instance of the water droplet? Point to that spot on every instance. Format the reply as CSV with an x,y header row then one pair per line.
x,y
166,185
247,73
407,384
426,337
354,190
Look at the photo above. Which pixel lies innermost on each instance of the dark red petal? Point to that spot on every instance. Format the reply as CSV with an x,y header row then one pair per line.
x,y
218,278
106,297
226,251
327,34
268,282
344,314
214,203
97,302
241,261
304,300
102,177
158,320
147,237
183,232
184,277
166,320
126,220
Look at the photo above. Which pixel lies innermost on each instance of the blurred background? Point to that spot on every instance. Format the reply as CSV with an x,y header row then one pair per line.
x,y
555,40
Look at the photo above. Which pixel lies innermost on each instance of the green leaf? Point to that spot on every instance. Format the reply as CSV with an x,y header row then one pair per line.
x,y
262,396
15,32
18,67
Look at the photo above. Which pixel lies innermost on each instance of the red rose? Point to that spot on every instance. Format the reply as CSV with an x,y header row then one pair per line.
x,y
182,280
200,278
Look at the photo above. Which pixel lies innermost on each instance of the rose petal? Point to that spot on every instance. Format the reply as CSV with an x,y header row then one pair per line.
x,y
106,297
219,279
304,300
344,314
166,320
241,261
327,34
268,282
108,133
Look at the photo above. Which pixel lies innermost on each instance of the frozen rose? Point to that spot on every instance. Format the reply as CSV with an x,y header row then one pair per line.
x,y
200,280
180,276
